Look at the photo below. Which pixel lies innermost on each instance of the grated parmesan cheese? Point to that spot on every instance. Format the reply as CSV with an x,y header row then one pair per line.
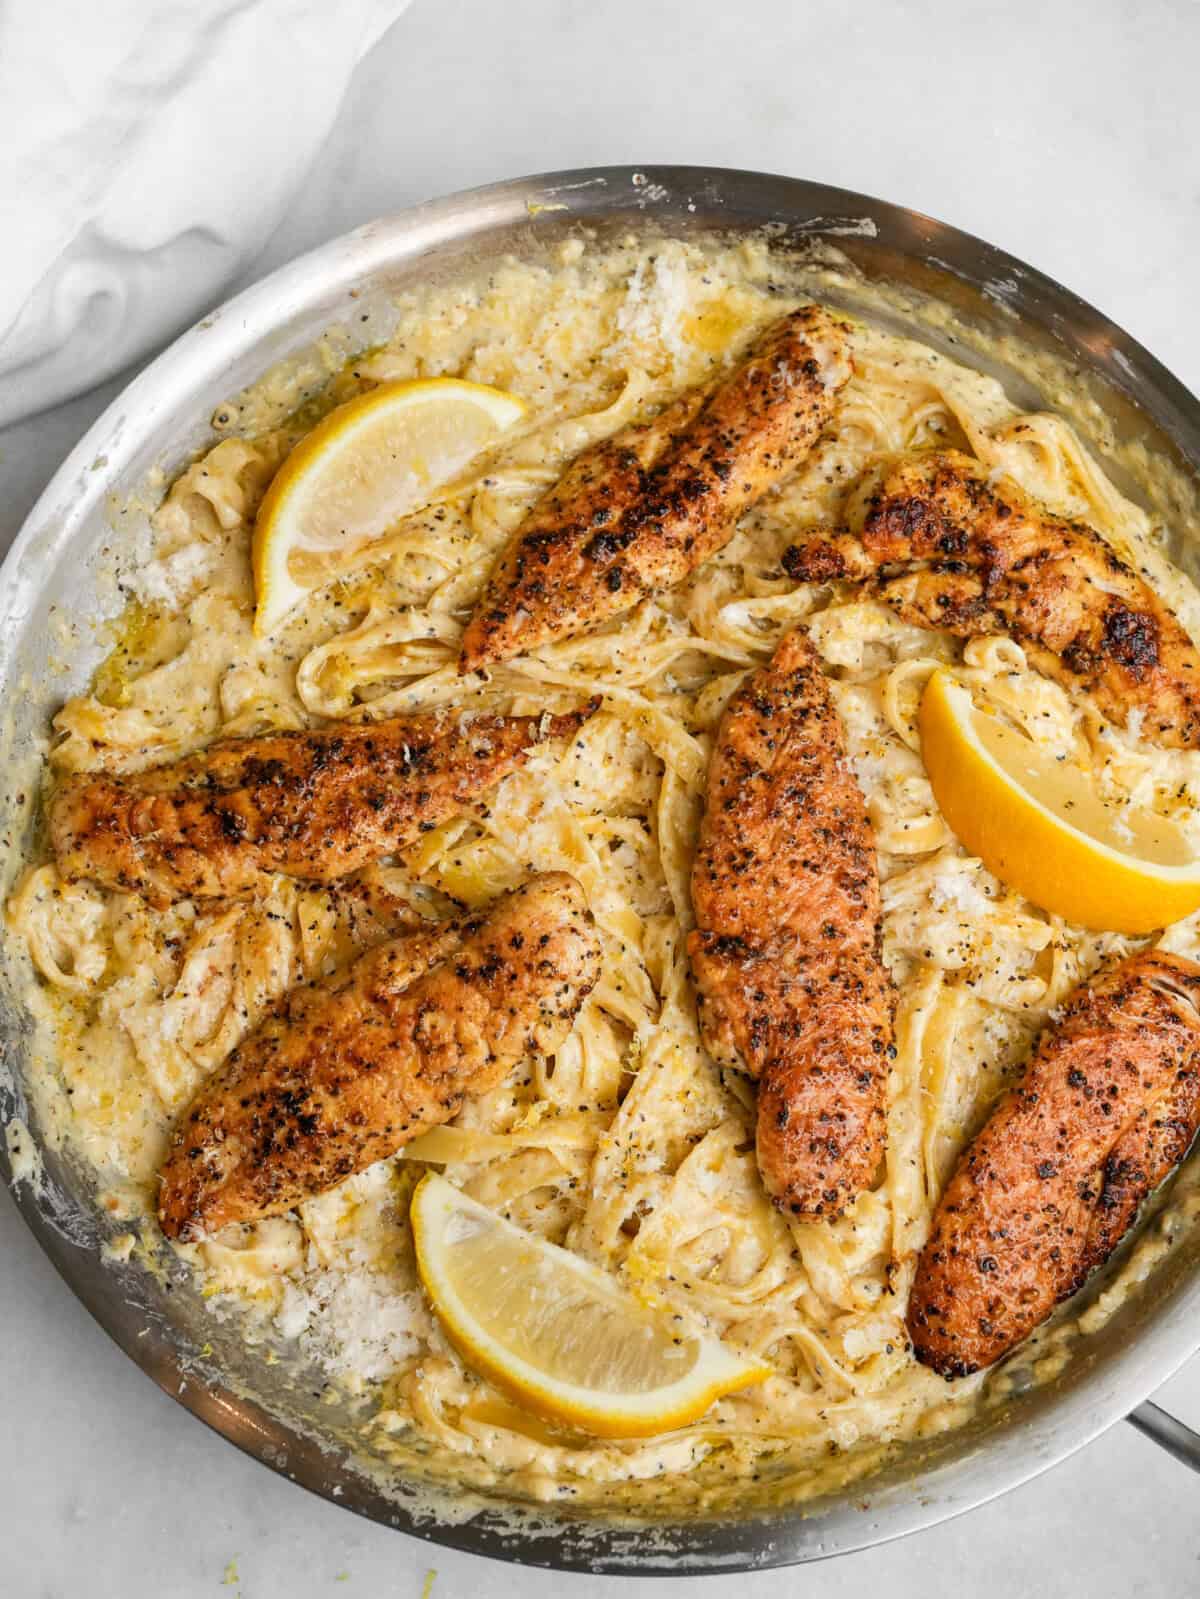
x,y
953,887
353,1323
172,578
655,303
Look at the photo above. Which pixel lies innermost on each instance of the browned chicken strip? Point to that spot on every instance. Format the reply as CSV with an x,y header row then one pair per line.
x,y
786,954
1107,1108
312,805
347,1070
946,547
636,513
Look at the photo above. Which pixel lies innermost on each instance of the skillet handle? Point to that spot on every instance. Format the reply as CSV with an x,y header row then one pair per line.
x,y
1168,1432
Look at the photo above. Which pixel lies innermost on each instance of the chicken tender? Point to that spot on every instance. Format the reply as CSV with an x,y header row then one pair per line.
x,y
934,538
636,513
1107,1108
314,805
786,954
346,1071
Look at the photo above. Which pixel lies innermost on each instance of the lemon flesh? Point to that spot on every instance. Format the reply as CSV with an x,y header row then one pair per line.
x,y
369,463
557,1333
1039,824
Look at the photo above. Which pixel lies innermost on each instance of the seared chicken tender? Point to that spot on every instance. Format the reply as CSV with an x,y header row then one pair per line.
x,y
786,954
946,547
636,513
313,805
1107,1108
347,1070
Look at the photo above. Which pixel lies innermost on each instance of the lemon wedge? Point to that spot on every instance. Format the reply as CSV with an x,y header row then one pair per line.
x,y
557,1333
1039,824
367,464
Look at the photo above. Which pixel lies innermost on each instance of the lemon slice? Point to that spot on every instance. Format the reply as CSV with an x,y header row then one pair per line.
x,y
1039,824
557,1333
366,465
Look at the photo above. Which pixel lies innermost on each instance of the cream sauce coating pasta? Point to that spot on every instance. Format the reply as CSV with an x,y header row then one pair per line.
x,y
627,1146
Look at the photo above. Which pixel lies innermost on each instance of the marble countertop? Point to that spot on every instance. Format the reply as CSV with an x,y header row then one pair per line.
x,y
1065,134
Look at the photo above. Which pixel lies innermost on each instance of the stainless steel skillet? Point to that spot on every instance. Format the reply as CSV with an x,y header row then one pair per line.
x,y
53,584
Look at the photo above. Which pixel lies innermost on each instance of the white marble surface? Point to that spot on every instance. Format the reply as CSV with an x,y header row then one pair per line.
x,y
1063,132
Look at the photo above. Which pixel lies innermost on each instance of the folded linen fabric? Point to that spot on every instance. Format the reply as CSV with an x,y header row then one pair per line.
x,y
150,150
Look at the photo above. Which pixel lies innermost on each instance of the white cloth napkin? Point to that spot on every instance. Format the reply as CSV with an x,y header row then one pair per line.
x,y
149,149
